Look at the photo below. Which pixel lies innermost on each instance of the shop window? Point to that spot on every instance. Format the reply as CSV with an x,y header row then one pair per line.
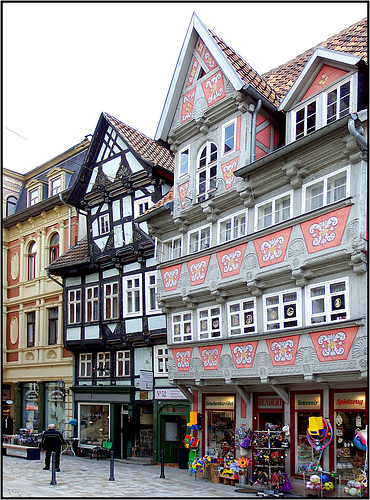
x,y
209,323
273,211
30,406
93,423
53,325
132,303
199,239
31,318
305,452
85,368
151,293
55,405
111,301
160,361
219,426
92,303
327,302
32,261
232,227
123,364
282,310
182,327
326,190
54,248
11,203
241,317
74,306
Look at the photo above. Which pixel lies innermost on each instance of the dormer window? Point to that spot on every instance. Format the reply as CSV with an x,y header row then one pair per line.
x,y
207,171
338,102
56,186
33,197
305,120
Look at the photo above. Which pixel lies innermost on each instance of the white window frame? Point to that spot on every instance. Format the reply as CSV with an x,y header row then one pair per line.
x,y
151,288
209,322
123,363
182,327
269,324
113,299
55,187
74,304
181,164
142,205
234,227
104,225
201,241
224,127
161,361
273,201
325,194
93,302
103,364
313,318
32,199
130,293
172,249
307,115
242,315
336,88
85,365
211,164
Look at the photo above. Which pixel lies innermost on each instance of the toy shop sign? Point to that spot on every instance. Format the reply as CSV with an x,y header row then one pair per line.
x,y
307,402
219,402
269,402
349,401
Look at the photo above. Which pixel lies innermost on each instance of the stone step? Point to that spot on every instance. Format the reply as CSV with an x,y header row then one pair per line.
x,y
141,460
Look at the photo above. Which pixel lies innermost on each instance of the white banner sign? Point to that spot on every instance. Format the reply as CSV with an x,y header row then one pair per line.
x,y
168,394
146,380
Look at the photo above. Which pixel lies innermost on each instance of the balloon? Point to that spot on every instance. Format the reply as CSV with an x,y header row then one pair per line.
x,y
315,479
325,478
360,440
309,485
353,492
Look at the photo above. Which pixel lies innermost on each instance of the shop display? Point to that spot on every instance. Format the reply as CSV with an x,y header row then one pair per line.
x,y
220,434
26,437
319,480
268,455
350,444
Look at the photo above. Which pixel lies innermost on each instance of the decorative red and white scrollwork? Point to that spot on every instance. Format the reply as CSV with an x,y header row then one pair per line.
x,y
323,232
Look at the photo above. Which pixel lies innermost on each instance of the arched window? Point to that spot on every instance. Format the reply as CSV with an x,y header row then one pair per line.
x,y
10,205
54,248
207,171
32,261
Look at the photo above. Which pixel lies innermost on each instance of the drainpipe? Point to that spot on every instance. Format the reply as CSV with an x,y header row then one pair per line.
x,y
69,219
254,128
360,138
51,277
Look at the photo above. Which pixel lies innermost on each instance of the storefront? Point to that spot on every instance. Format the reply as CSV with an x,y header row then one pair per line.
x,y
349,416
268,408
30,406
219,425
304,404
93,423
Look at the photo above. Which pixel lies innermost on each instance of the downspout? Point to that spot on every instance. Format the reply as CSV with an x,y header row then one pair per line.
x,y
51,277
254,128
360,138
69,219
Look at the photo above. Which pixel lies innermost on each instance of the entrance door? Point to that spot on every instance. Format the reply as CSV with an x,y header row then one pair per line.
x,y
172,430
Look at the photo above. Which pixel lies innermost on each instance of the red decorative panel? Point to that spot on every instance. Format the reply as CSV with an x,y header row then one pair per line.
x,y
325,77
182,358
193,70
213,88
271,249
325,231
183,191
334,345
198,270
187,106
230,260
210,356
208,59
283,350
264,136
259,153
170,277
243,409
200,46
228,170
243,353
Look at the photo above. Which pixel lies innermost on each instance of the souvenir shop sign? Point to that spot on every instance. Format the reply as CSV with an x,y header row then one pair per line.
x,y
349,401
219,402
334,345
307,402
269,402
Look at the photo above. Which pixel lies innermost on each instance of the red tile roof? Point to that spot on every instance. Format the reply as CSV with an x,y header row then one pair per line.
x,y
77,253
148,149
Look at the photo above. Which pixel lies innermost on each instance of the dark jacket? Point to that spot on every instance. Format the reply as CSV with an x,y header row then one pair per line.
x,y
52,440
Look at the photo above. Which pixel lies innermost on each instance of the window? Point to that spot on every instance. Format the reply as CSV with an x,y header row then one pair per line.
x,y
282,310
184,162
209,323
104,224
32,261
10,205
103,364
151,293
160,361
123,363
305,120
142,205
33,197
273,211
199,239
92,303
228,137
111,300
207,171
132,296
54,248
181,327
172,248
85,365
53,325
326,190
232,227
242,317
74,306
327,302
31,318
56,186
93,424
338,102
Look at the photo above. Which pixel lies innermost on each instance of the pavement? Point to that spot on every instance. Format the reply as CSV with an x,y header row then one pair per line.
x,y
85,478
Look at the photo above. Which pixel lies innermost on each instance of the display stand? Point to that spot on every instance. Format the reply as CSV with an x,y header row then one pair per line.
x,y
269,457
319,487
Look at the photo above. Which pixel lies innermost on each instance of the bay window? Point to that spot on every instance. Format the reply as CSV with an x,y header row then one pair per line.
x,y
182,327
241,317
327,302
282,310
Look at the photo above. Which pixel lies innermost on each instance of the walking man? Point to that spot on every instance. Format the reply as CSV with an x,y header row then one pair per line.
x,y
52,440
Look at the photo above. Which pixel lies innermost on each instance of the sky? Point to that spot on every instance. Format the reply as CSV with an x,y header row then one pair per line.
x,y
66,63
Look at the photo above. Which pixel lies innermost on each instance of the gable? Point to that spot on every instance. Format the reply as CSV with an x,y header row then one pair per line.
x,y
325,77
